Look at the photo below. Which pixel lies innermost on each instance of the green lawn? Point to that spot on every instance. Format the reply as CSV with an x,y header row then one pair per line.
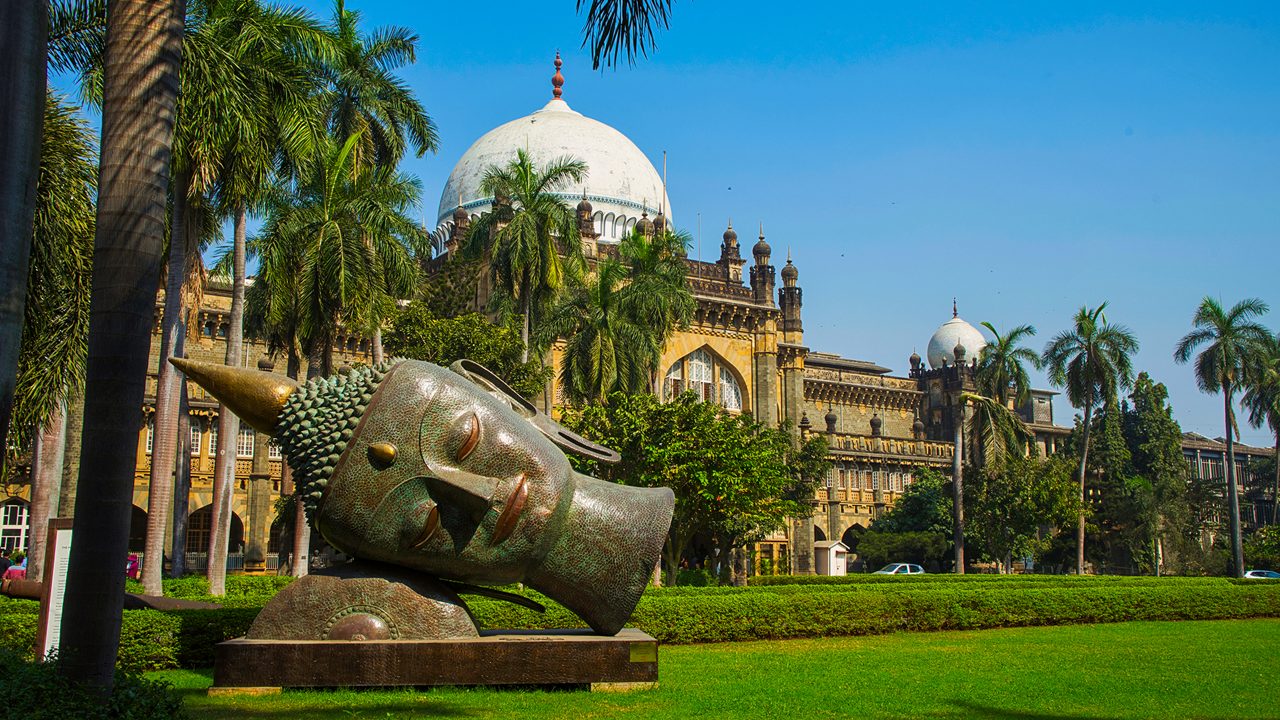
x,y
1214,669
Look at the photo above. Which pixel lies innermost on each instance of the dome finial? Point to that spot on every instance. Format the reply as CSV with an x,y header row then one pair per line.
x,y
954,312
557,80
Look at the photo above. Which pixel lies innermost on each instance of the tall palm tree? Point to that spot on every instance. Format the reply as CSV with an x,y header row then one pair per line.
x,y
531,237
622,28
1231,338
1002,365
144,44
1262,399
1091,361
365,99
56,326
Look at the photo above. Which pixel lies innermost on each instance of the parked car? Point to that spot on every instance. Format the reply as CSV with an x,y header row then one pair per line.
x,y
900,569
1262,575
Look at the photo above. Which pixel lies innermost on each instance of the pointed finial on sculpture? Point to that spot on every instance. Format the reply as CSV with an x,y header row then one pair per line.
x,y
954,311
557,80
257,397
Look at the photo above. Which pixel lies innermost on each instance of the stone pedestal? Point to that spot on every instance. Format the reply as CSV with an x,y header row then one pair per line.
x,y
628,660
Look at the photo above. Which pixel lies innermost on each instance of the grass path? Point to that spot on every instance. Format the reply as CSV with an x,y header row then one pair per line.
x,y
1213,670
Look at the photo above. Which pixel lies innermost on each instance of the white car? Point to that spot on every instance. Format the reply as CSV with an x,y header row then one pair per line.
x,y
900,569
1262,575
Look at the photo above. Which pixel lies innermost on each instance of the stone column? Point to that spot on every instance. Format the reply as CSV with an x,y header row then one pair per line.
x,y
802,540
259,506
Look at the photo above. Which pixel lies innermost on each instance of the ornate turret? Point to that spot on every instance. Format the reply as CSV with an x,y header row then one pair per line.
x,y
831,420
917,428
790,297
731,261
762,277
876,424
959,352
915,363
458,231
587,226
659,223
644,225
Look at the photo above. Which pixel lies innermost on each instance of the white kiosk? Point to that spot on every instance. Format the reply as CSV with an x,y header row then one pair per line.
x,y
831,557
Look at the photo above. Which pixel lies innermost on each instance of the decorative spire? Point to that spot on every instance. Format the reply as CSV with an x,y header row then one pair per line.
x,y
761,229
954,312
557,80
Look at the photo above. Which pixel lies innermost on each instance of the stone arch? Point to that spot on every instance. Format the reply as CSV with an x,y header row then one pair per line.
x,y
852,535
199,526
818,534
137,529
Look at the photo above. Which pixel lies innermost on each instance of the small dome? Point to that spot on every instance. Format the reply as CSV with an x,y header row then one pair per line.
x,y
584,205
876,422
730,235
915,360
942,346
761,250
459,215
790,273
644,225
958,351
805,423
831,416
918,425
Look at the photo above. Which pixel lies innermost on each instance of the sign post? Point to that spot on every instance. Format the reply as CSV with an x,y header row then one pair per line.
x,y
57,557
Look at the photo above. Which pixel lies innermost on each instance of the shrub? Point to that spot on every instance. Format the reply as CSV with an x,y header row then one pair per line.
x,y
36,691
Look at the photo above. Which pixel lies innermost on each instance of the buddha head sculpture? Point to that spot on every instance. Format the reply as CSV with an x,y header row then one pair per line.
x,y
449,472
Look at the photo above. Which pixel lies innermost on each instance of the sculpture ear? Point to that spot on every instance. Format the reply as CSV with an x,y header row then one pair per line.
x,y
560,435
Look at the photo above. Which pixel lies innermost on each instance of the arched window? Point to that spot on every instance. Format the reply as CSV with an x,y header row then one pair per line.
x,y
730,394
700,375
712,381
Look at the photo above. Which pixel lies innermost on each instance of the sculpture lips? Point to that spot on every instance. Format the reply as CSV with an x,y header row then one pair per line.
x,y
511,512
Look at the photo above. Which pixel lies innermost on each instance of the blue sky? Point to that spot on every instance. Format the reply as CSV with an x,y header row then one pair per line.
x,y
1027,158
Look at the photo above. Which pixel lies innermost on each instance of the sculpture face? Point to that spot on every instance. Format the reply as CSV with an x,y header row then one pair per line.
x,y
449,472
470,490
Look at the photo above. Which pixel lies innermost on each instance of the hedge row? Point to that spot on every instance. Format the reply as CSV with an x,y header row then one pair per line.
x,y
153,640
981,578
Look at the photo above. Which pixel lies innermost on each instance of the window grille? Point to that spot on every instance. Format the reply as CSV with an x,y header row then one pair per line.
x,y
197,433
244,443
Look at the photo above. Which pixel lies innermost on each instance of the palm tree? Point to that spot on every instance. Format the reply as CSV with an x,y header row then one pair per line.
x,y
1231,339
622,28
1002,365
662,301
365,99
530,238
1262,399
607,348
1092,361
144,43
56,324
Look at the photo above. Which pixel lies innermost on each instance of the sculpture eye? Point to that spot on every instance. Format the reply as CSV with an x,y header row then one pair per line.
x,y
472,428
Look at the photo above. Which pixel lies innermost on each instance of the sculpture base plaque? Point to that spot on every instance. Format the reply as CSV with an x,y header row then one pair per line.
x,y
628,660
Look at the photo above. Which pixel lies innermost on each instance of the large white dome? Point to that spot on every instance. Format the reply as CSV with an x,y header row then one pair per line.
x,y
954,331
621,183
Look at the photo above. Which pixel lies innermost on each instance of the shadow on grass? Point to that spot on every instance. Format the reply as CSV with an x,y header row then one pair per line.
x,y
982,712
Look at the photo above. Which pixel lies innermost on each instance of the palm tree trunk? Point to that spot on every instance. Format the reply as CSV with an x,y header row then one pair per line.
x,y
1084,464
46,480
377,346
957,474
24,29
143,49
301,529
1275,482
224,473
71,455
524,330
1233,497
160,492
182,480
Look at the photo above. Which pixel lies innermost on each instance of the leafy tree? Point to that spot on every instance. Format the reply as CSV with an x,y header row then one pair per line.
x,y
1262,400
1002,372
1155,445
1230,338
729,473
1262,550
662,302
1091,361
878,547
1007,509
417,332
924,506
530,239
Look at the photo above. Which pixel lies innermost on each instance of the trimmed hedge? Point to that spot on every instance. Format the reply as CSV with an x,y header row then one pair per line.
x,y
982,578
156,640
